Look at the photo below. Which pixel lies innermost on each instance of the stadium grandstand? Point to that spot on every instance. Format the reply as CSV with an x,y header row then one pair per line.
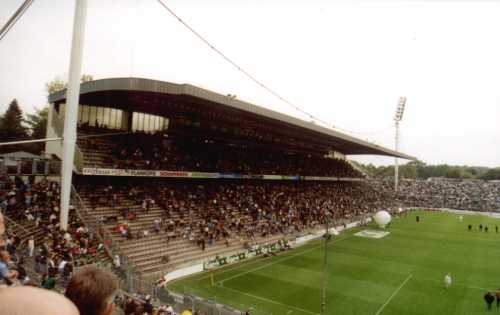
x,y
202,150
172,180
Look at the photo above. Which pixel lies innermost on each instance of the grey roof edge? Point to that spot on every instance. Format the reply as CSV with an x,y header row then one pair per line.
x,y
150,85
21,154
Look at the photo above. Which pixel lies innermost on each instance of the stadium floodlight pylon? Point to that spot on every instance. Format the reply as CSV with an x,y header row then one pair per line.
x,y
397,119
71,111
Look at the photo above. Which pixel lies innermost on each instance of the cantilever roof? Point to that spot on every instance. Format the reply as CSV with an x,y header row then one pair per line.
x,y
350,144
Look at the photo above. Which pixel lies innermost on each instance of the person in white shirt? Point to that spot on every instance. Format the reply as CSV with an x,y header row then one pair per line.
x,y
31,246
61,266
53,218
447,280
116,262
170,310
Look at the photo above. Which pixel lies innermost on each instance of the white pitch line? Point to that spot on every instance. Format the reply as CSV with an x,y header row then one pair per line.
x,y
476,288
393,294
270,301
278,261
460,284
240,265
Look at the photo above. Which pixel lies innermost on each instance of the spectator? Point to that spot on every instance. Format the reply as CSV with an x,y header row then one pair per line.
x,y
116,262
489,299
148,307
31,246
34,301
93,291
167,152
49,281
6,274
475,195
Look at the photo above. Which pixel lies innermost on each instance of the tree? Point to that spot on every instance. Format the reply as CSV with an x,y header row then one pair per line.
x,y
11,123
57,84
492,174
86,77
418,169
38,122
11,126
409,170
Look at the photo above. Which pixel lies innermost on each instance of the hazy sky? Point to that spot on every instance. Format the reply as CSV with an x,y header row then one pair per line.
x,y
346,62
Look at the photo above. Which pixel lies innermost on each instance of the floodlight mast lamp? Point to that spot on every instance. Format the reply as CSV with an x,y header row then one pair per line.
x,y
71,110
397,119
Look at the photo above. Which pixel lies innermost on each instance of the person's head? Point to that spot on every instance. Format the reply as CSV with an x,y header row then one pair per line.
x,y
93,291
2,231
4,256
2,225
30,300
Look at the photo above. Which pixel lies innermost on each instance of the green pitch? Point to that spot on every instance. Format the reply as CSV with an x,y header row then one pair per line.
x,y
402,273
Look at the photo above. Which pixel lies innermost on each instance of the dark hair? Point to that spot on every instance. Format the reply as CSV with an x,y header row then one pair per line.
x,y
91,290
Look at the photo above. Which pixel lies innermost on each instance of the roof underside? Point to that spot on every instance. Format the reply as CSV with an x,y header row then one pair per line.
x,y
184,100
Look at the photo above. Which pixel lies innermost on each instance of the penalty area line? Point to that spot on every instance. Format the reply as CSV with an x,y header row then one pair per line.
x,y
269,301
280,260
393,294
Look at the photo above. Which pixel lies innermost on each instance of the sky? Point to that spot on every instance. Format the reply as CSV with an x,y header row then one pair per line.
x,y
345,62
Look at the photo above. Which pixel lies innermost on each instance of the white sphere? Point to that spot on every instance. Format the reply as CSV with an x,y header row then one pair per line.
x,y
382,218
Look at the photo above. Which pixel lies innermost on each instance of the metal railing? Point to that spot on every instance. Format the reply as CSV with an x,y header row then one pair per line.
x,y
17,227
127,272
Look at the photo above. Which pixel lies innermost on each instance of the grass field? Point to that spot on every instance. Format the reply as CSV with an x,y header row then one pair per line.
x,y
402,273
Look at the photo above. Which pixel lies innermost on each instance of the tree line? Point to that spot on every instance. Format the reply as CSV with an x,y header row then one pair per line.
x,y
420,170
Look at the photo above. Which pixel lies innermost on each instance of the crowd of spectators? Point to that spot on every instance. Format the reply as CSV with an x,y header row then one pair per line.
x,y
476,195
63,262
56,253
209,211
202,211
160,151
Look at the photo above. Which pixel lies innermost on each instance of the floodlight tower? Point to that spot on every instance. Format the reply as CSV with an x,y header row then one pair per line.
x,y
397,119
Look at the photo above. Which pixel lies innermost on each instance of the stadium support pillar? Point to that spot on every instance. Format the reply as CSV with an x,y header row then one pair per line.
x,y
71,112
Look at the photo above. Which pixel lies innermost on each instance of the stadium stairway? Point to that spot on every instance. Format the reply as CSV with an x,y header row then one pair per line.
x,y
148,253
24,229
